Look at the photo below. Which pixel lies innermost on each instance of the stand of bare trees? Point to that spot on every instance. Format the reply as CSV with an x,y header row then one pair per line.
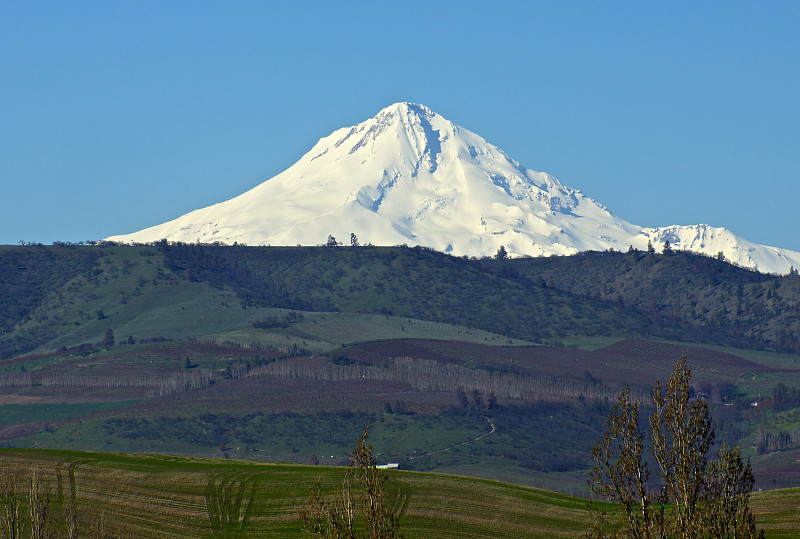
x,y
20,379
696,498
116,381
427,375
185,381
28,500
11,515
25,505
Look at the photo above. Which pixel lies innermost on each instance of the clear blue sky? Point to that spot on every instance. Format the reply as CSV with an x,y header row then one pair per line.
x,y
115,116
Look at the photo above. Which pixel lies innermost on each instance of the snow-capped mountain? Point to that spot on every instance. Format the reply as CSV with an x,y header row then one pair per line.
x,y
409,176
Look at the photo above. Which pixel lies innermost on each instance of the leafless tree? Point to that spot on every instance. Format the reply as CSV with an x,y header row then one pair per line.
x,y
697,498
334,517
620,472
69,508
228,501
11,513
39,506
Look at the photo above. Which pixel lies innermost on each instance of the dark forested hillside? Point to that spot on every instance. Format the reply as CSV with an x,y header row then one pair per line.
x,y
679,295
753,309
27,275
410,282
49,291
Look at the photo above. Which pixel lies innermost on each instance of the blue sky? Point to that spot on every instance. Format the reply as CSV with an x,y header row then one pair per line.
x,y
115,116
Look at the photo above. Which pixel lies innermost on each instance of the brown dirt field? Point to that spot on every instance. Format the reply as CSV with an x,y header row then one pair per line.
x,y
281,395
630,361
19,399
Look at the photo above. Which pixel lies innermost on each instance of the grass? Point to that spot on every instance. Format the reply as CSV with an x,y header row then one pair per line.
x,y
351,328
161,496
62,297
141,294
13,414
519,444
776,360
595,342
777,512
139,297
289,437
165,496
325,332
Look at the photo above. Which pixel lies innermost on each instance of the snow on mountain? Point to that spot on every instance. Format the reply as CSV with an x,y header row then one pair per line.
x,y
409,176
712,241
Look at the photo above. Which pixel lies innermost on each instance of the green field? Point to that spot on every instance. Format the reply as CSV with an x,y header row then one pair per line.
x,y
27,413
165,496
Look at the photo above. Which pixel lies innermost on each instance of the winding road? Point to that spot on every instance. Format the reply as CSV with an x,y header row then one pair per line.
x,y
488,420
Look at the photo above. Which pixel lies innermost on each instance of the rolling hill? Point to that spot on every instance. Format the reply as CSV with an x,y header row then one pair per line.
x,y
166,496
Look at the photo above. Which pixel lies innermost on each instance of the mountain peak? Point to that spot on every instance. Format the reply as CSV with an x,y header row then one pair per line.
x,y
407,107
410,176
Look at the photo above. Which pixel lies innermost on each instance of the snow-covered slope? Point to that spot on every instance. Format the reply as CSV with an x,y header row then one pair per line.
x,y
712,241
409,176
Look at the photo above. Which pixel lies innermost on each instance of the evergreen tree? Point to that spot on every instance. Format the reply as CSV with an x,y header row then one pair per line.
x,y
108,339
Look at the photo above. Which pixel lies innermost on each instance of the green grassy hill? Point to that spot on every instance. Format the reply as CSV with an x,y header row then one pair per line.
x,y
413,283
165,496
65,295
62,296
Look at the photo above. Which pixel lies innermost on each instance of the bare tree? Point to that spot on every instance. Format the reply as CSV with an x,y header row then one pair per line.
x,y
730,482
334,517
39,506
98,530
697,498
682,436
68,507
331,517
228,503
620,473
380,522
11,513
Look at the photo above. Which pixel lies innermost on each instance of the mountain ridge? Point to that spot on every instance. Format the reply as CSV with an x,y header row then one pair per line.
x,y
410,176
190,290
